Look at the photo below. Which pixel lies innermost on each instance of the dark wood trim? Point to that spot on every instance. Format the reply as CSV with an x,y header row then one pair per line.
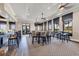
x,y
12,22
3,22
2,17
37,23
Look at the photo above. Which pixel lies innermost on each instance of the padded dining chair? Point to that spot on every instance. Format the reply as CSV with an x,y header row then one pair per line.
x,y
48,36
33,36
38,37
43,36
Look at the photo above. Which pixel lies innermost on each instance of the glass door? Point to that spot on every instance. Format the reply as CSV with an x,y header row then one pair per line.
x,y
25,29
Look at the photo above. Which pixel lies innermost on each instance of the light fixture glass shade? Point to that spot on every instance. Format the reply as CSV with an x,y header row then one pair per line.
x,y
61,9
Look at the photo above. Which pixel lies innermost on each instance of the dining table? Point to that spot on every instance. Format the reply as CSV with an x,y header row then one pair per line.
x,y
40,37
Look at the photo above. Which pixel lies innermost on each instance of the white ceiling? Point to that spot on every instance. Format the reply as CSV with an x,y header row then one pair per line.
x,y
31,11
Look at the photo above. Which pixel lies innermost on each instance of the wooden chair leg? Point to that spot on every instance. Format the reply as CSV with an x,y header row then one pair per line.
x,y
67,40
32,40
45,40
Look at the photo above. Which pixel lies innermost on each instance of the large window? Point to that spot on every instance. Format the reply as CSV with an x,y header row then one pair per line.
x,y
56,24
67,22
27,28
3,26
50,25
12,25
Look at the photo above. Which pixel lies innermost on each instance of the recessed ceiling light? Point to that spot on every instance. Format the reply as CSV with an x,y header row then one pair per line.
x,y
48,8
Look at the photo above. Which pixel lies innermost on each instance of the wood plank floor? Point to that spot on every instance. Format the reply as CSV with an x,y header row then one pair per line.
x,y
55,48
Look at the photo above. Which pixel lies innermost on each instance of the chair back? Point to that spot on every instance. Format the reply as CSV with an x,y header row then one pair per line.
x,y
44,33
38,33
33,33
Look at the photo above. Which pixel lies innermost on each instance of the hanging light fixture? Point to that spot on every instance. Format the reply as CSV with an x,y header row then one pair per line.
x,y
43,16
62,6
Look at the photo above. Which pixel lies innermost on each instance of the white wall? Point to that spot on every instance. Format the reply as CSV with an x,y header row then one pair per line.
x,y
1,6
60,24
32,27
76,25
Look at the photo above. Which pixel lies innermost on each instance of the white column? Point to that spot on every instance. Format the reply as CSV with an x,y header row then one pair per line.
x,y
60,24
52,26
43,26
76,25
16,25
7,26
47,26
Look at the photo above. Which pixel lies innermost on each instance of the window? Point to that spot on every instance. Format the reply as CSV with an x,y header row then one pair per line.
x,y
50,25
12,25
3,26
28,28
67,22
56,24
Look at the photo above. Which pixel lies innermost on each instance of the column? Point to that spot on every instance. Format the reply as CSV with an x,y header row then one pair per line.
x,y
60,24
7,26
76,26
47,25
52,26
